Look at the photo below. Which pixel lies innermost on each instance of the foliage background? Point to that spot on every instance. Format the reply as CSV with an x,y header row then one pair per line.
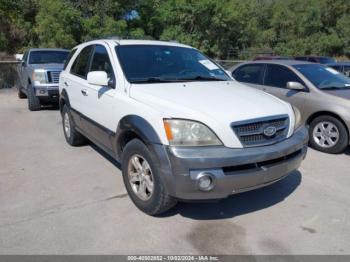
x,y
221,28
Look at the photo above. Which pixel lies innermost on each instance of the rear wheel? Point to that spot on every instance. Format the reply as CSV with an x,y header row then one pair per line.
x,y
33,100
142,179
73,137
328,134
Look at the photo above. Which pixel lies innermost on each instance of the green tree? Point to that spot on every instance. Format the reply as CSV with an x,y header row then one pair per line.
x,y
58,24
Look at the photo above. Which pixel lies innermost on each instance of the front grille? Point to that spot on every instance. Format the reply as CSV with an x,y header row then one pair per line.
x,y
251,132
53,76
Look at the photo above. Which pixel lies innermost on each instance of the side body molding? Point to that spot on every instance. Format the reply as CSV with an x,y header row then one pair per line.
x,y
138,126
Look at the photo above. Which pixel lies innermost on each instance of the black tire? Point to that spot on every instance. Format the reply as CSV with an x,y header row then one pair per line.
x,y
160,201
33,100
343,140
72,136
21,95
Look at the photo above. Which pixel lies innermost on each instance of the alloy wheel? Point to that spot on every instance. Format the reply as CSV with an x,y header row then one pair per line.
x,y
326,134
66,124
140,177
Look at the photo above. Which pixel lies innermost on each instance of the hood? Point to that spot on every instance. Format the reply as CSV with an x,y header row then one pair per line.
x,y
58,67
339,93
219,102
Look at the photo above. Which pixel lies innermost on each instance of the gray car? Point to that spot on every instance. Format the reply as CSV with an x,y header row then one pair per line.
x,y
321,93
38,75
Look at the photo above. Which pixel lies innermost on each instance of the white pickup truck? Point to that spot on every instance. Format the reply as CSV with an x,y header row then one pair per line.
x,y
181,128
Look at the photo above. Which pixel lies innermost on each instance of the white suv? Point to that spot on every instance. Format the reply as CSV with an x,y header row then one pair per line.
x,y
181,128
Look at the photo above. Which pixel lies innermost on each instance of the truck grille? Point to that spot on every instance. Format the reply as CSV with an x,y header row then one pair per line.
x,y
53,76
262,131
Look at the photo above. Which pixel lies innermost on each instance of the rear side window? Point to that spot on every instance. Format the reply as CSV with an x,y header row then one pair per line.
x,y
100,61
249,73
279,76
69,57
347,70
338,68
80,66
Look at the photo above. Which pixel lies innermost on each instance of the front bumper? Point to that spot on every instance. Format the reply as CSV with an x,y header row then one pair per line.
x,y
233,170
47,92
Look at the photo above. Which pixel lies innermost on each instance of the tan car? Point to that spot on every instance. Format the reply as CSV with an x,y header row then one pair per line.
x,y
321,93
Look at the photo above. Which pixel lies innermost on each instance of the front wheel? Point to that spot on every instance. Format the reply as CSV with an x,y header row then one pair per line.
x,y
33,100
142,179
328,134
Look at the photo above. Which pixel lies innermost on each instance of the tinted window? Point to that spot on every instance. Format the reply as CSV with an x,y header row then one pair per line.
x,y
346,70
325,60
338,68
301,58
279,76
313,59
100,61
81,63
48,57
249,73
69,57
158,63
324,77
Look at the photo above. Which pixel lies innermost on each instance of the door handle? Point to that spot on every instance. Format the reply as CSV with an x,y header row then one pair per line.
x,y
84,92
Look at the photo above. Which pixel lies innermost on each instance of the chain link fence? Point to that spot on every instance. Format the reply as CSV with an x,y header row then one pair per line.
x,y
227,64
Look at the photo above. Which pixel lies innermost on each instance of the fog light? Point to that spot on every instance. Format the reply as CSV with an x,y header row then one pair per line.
x,y
205,182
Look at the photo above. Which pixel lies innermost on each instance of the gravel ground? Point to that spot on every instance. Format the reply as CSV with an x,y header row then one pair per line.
x,y
57,199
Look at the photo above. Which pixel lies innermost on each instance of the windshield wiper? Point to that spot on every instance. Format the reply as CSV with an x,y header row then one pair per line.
x,y
334,87
153,80
202,78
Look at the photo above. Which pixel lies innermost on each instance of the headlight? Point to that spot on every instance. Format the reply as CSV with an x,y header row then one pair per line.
x,y
189,133
40,76
297,117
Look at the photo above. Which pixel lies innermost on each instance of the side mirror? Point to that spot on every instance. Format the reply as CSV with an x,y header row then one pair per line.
x,y
98,78
295,86
23,63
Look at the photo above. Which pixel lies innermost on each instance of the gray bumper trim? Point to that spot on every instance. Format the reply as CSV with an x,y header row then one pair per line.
x,y
257,166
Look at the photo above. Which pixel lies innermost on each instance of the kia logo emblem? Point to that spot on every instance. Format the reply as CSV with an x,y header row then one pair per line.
x,y
270,131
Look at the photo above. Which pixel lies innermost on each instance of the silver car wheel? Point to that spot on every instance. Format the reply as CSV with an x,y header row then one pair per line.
x,y
326,134
66,124
140,177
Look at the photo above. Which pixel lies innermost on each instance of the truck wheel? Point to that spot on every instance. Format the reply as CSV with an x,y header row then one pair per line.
x,y
21,95
142,179
328,134
33,100
73,137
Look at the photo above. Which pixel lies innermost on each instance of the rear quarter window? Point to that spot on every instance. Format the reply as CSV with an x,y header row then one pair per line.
x,y
249,73
69,57
80,66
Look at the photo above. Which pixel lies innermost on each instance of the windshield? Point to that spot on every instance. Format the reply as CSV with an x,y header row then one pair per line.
x,y
324,77
48,57
156,63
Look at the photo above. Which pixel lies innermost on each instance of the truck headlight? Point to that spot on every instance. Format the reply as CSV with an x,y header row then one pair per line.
x,y
40,76
189,133
297,118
